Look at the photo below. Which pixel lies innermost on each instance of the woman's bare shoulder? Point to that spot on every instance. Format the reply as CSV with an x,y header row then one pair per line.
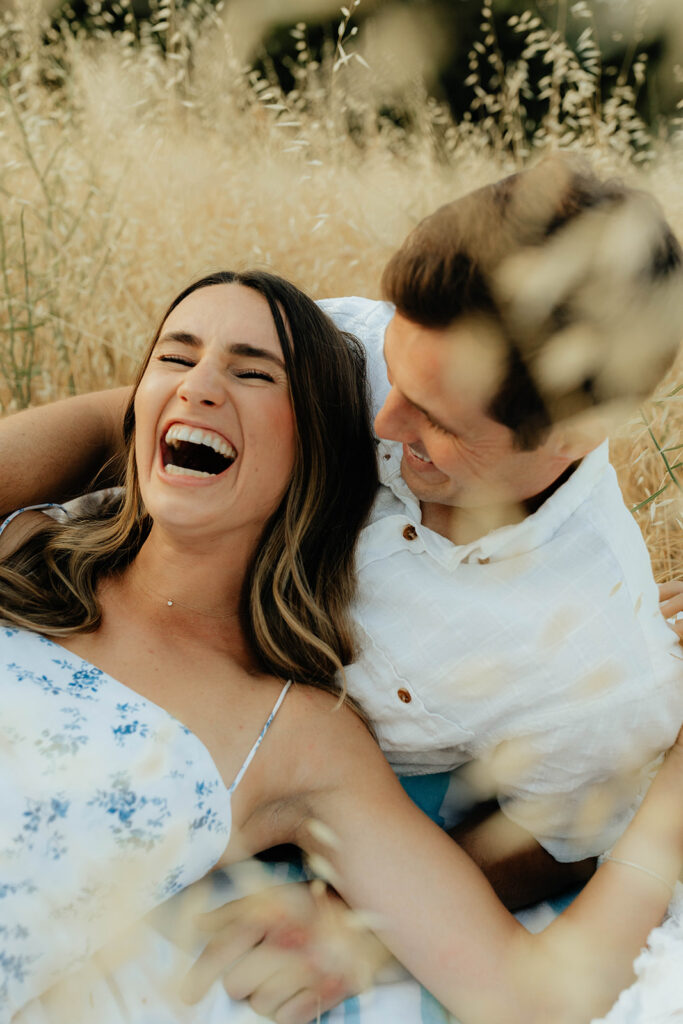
x,y
328,715
327,741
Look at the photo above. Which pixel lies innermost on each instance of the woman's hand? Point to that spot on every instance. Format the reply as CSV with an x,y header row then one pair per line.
x,y
671,605
293,951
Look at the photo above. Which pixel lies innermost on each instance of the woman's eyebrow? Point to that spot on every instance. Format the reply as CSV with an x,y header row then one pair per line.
x,y
252,352
184,337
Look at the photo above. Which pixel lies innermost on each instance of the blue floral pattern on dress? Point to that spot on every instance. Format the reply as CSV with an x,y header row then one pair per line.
x,y
106,801
127,727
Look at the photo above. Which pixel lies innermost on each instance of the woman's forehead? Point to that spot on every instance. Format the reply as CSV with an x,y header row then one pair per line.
x,y
224,314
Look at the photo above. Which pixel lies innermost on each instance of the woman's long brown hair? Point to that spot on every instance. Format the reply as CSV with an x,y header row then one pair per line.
x,y
297,592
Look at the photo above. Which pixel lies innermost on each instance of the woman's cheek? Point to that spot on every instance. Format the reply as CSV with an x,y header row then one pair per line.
x,y
144,408
282,443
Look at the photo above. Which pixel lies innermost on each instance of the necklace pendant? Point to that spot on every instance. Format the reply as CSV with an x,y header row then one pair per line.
x,y
170,604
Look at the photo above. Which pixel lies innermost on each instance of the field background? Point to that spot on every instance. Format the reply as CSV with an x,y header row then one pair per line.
x,y
147,151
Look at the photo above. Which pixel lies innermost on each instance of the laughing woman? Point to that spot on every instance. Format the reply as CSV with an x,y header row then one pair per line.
x,y
224,572
161,673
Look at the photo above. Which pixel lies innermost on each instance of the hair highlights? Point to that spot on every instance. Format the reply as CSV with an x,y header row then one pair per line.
x,y
297,592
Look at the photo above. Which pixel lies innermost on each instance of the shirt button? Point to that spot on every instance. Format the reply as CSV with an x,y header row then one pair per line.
x,y
386,457
404,696
409,533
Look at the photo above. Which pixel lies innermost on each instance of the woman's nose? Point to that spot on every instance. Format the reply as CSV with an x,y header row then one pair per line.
x,y
202,384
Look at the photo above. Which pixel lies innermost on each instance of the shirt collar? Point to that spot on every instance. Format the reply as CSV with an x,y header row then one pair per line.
x,y
517,538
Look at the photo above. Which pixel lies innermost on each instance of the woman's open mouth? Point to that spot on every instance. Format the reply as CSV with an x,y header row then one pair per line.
x,y
194,451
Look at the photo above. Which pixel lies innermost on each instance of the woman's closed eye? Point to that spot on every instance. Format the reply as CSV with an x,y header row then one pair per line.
x,y
248,373
255,374
172,357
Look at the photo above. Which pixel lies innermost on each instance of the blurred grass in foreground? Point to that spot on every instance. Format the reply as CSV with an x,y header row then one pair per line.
x,y
134,161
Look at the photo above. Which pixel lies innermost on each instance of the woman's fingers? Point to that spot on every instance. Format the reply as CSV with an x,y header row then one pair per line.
x,y
289,950
298,991
674,606
269,974
286,985
277,906
676,625
671,604
674,588
227,946
306,1005
284,915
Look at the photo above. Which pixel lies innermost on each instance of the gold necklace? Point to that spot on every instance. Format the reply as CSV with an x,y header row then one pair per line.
x,y
171,603
198,611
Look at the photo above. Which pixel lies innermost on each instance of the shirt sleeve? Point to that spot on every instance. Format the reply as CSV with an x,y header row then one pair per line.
x,y
579,822
577,777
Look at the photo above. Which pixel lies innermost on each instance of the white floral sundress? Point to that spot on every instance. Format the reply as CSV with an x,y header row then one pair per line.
x,y
108,806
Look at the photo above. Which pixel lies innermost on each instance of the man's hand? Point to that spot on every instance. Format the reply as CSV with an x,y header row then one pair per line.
x,y
671,604
293,951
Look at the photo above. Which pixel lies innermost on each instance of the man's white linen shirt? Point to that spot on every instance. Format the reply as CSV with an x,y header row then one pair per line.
x,y
537,651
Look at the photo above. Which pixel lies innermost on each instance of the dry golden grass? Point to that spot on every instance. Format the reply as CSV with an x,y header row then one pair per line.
x,y
126,172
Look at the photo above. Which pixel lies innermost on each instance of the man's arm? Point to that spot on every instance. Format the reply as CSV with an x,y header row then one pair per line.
x,y
51,453
520,871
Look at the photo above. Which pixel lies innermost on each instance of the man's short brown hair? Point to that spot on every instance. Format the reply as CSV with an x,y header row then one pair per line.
x,y
449,268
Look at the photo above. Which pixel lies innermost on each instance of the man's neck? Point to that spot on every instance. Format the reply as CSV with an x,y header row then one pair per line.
x,y
534,503
465,525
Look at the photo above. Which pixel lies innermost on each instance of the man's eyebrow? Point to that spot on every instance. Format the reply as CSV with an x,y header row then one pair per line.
x,y
430,416
239,348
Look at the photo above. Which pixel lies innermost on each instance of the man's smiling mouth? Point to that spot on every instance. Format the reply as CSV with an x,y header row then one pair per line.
x,y
194,451
422,456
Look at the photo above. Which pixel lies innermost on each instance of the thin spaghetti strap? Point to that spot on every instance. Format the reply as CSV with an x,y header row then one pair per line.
x,y
32,508
259,740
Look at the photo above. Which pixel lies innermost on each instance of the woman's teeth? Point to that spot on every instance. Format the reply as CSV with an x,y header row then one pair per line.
x,y
193,451
183,471
194,435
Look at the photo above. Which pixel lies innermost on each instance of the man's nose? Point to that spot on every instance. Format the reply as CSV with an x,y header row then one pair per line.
x,y
394,421
202,384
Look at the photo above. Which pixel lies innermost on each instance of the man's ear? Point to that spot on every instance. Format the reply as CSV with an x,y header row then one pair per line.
x,y
578,435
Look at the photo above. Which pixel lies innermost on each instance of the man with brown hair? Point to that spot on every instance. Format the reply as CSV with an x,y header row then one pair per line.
x,y
508,613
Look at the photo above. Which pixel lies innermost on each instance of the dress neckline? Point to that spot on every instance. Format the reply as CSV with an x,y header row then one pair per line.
x,y
76,660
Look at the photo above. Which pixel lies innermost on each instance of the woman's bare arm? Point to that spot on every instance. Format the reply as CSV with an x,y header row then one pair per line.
x,y
434,909
52,452
440,917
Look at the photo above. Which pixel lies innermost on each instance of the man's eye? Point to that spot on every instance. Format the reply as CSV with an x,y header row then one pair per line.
x,y
438,428
254,374
171,358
